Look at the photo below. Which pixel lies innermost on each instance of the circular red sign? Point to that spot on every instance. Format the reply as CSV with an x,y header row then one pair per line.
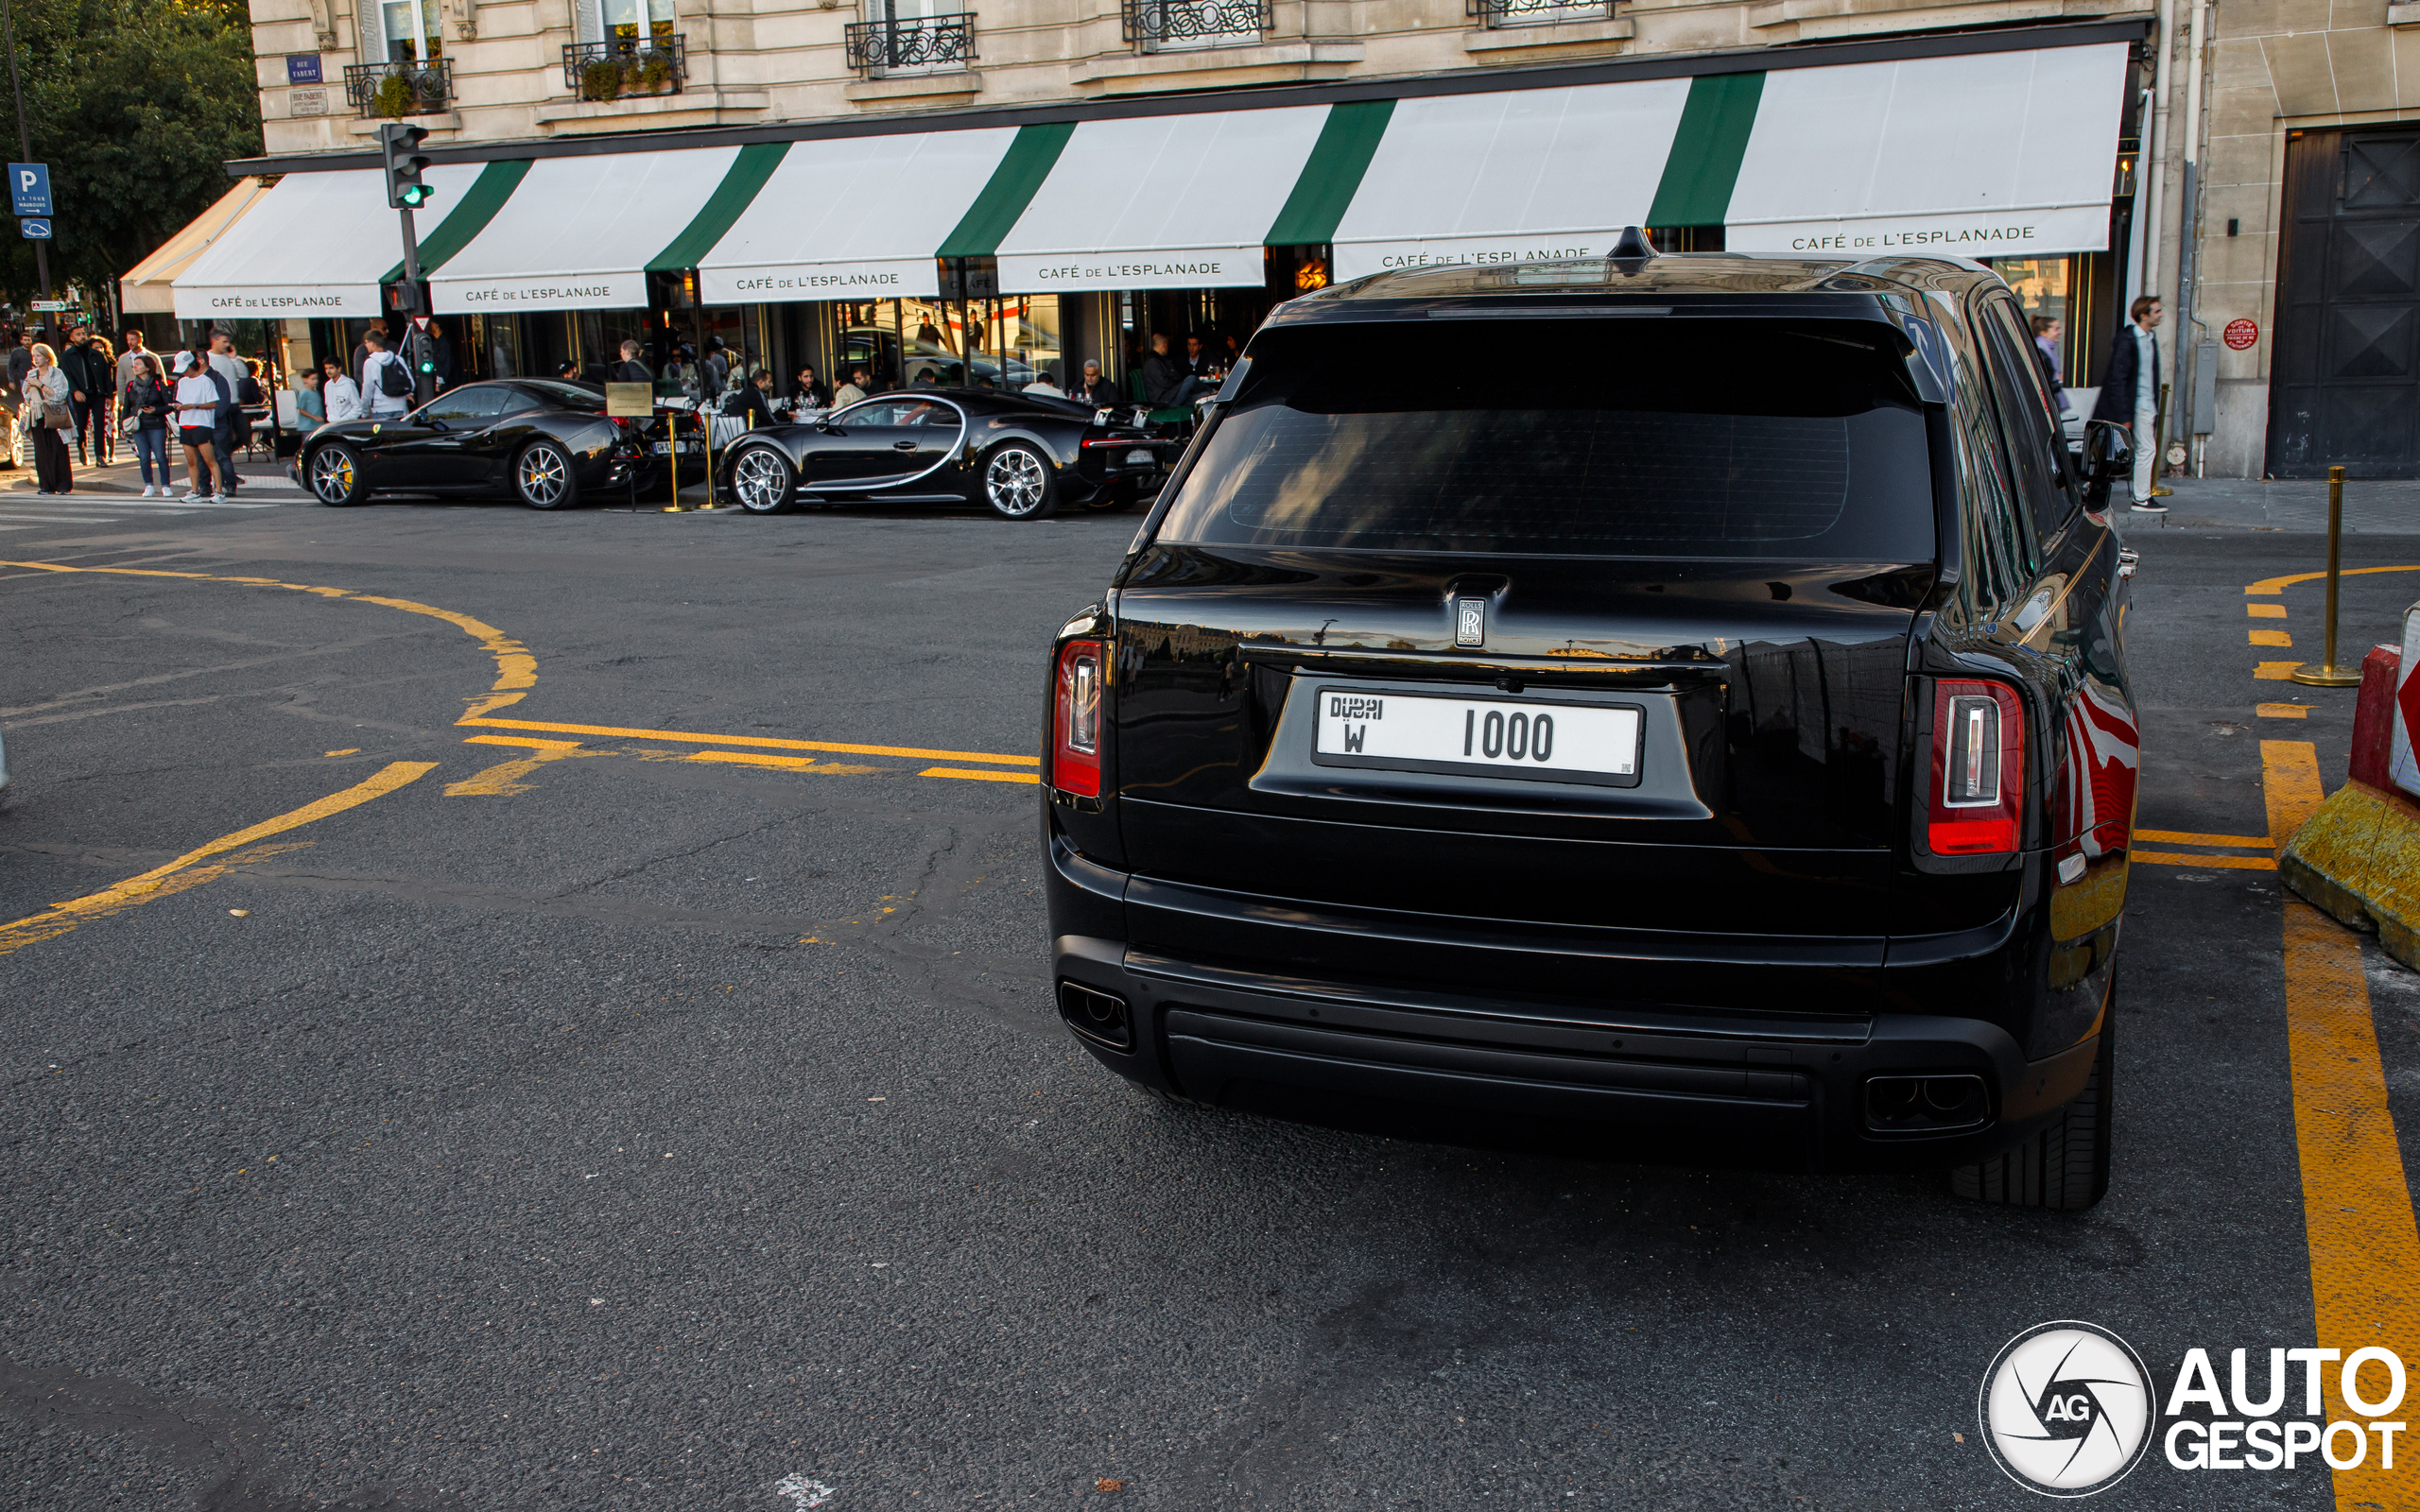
x,y
2241,333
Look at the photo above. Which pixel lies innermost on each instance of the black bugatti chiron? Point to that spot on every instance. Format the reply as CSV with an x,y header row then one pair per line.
x,y
544,443
1020,455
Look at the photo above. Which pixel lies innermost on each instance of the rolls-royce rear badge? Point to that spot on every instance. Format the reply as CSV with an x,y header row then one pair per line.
x,y
1470,622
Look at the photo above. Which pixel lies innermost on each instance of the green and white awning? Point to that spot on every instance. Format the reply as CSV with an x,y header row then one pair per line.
x,y
313,245
855,217
582,234
1978,154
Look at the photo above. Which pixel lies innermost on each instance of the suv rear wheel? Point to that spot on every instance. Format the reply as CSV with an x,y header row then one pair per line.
x,y
2065,1165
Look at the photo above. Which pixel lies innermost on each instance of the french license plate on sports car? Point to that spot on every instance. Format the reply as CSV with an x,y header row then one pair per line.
x,y
664,448
1553,741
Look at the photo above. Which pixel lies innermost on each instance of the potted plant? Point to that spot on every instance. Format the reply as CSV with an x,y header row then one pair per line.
x,y
394,99
602,80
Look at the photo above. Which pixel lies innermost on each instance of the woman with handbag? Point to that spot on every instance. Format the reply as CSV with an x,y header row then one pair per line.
x,y
147,403
45,416
202,396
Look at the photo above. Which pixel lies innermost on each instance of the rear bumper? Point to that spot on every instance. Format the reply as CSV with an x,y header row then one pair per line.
x,y
1259,1031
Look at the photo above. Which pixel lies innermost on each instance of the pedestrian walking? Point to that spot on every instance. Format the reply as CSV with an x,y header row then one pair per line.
x,y
130,359
21,361
102,359
89,382
149,399
2047,331
2130,394
307,403
340,394
202,396
441,360
361,352
47,413
386,386
233,371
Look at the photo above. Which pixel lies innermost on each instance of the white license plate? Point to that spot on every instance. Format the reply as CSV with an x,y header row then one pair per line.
x,y
1139,456
664,448
1494,737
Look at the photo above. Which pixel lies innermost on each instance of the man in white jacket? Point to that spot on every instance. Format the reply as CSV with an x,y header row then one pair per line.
x,y
341,394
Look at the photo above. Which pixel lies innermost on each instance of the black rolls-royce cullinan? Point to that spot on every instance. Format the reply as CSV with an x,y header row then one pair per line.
x,y
541,441
1727,735
1020,455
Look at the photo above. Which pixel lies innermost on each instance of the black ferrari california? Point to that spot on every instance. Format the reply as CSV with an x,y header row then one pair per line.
x,y
1020,455
544,443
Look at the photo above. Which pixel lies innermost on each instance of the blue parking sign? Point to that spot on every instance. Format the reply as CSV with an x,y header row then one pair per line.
x,y
35,231
29,188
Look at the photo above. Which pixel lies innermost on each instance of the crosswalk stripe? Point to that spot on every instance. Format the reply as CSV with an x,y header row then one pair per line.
x,y
62,519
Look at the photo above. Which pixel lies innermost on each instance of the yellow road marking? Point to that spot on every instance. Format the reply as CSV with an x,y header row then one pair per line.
x,y
2278,585
2271,638
504,779
765,741
2178,858
349,750
2246,842
160,882
2284,710
2356,1204
2265,611
1033,778
2276,671
750,758
516,669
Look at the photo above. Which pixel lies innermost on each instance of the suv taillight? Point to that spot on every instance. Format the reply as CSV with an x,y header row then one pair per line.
x,y
1075,758
1977,769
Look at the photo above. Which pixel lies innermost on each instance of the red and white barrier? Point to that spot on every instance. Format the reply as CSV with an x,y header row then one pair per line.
x,y
2402,764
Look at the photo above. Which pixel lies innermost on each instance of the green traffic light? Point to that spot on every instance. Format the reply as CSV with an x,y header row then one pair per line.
x,y
415,195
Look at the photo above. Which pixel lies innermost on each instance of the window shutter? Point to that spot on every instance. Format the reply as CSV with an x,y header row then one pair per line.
x,y
589,20
369,29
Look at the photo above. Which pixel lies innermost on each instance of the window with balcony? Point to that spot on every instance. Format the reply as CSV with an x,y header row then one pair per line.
x,y
910,37
626,48
1172,25
1537,12
403,69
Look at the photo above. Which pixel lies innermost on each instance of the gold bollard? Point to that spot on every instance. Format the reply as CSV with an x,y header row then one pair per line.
x,y
2327,673
672,432
709,428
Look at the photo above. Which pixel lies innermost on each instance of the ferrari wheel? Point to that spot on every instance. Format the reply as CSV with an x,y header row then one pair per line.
x,y
542,477
335,475
762,482
1019,482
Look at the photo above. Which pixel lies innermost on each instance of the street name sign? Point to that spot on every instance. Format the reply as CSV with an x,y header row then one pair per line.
x,y
29,188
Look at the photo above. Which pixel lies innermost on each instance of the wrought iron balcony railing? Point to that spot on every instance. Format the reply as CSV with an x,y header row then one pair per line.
x,y
877,47
620,67
1538,12
1166,24
397,90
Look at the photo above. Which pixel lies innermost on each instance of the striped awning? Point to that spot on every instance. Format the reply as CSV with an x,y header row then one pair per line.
x,y
1993,153
315,244
582,234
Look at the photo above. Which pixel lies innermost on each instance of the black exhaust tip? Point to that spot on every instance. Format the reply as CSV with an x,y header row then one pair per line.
x,y
1926,1105
1099,1016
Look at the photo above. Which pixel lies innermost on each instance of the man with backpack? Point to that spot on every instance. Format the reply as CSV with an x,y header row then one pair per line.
x,y
386,383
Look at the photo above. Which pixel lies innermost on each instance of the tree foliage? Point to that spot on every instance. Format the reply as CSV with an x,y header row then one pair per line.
x,y
135,105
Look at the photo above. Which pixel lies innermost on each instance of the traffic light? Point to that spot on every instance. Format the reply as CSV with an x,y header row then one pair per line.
x,y
400,144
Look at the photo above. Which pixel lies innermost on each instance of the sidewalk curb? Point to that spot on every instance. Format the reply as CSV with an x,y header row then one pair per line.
x,y
2357,858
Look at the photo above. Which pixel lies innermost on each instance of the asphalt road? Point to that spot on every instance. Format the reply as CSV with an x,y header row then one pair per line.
x,y
623,1129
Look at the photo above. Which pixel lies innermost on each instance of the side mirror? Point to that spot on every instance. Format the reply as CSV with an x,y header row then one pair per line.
x,y
2108,458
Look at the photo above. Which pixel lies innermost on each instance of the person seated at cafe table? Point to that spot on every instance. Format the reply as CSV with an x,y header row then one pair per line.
x,y
754,400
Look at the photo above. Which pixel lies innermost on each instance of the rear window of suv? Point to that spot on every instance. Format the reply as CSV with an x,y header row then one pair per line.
x,y
1647,436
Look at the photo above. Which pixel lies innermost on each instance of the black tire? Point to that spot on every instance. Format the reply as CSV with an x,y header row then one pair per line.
x,y
1019,482
2063,1166
762,480
543,476
334,474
